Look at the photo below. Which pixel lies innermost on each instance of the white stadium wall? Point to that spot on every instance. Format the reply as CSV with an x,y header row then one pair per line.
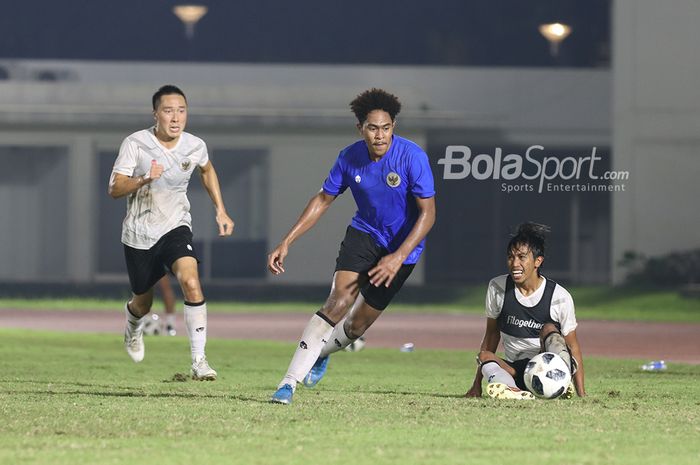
x,y
656,127
295,118
56,138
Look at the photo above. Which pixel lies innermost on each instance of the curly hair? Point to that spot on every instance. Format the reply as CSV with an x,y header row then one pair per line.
x,y
167,89
375,99
531,235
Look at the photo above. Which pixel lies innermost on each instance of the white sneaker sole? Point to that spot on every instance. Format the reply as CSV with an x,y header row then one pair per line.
x,y
280,401
503,391
207,377
137,355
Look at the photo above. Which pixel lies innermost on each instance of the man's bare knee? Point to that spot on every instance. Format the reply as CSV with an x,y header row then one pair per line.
x,y
487,356
191,289
335,308
355,328
546,330
190,284
140,305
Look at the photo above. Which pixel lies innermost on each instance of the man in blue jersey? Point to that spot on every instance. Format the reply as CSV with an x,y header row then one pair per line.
x,y
392,184
531,314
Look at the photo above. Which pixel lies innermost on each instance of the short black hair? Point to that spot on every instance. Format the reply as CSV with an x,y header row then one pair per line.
x,y
375,99
532,235
167,89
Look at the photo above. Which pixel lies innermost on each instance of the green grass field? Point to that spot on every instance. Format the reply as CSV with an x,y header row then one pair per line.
x,y
78,399
601,302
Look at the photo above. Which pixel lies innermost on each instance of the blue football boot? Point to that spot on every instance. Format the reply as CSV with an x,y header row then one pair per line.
x,y
317,371
283,395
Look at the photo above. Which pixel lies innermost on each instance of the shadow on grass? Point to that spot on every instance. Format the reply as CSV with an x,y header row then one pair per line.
x,y
171,395
57,388
670,373
399,393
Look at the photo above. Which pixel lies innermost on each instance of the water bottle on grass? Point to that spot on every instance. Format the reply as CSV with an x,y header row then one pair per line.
x,y
655,365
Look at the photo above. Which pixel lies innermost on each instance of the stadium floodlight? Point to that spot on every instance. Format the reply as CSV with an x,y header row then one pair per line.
x,y
190,16
555,33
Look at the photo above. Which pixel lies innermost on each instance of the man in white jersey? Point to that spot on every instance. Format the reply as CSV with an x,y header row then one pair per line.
x,y
532,314
153,170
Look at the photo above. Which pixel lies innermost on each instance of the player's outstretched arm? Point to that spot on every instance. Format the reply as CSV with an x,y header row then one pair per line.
x,y
317,206
211,183
385,271
572,342
121,184
475,390
492,336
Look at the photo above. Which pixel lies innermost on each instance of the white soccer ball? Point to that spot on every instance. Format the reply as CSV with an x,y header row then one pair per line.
x,y
152,326
357,345
547,375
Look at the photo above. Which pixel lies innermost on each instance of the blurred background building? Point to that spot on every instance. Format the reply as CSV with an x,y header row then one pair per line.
x,y
269,85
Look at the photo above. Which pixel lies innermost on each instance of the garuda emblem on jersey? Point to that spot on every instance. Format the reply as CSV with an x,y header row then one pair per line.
x,y
185,164
393,179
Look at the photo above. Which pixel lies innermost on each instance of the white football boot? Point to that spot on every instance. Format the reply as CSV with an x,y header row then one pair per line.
x,y
134,344
201,371
133,340
503,391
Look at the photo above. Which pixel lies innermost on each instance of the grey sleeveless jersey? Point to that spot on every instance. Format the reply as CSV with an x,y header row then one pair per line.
x,y
519,344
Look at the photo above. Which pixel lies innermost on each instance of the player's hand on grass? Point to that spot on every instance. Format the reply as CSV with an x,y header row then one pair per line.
x,y
386,269
275,260
225,224
474,391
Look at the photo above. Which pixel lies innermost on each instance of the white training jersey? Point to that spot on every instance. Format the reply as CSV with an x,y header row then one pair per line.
x,y
561,311
162,205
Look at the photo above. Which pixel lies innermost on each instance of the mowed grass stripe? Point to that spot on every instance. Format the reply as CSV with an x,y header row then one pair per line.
x,y
600,302
78,399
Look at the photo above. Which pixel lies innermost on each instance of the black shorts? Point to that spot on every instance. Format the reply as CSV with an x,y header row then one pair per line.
x,y
146,267
519,367
359,252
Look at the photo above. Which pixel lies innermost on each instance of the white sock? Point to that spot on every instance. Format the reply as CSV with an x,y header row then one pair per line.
x,y
134,322
493,373
315,336
338,340
170,319
196,324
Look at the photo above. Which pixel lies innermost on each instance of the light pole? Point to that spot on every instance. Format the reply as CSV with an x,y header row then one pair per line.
x,y
555,33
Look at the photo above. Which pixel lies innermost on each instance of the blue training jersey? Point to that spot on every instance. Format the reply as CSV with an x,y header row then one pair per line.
x,y
385,190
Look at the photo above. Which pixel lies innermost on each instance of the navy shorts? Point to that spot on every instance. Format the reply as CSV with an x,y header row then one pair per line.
x,y
519,367
146,267
359,252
